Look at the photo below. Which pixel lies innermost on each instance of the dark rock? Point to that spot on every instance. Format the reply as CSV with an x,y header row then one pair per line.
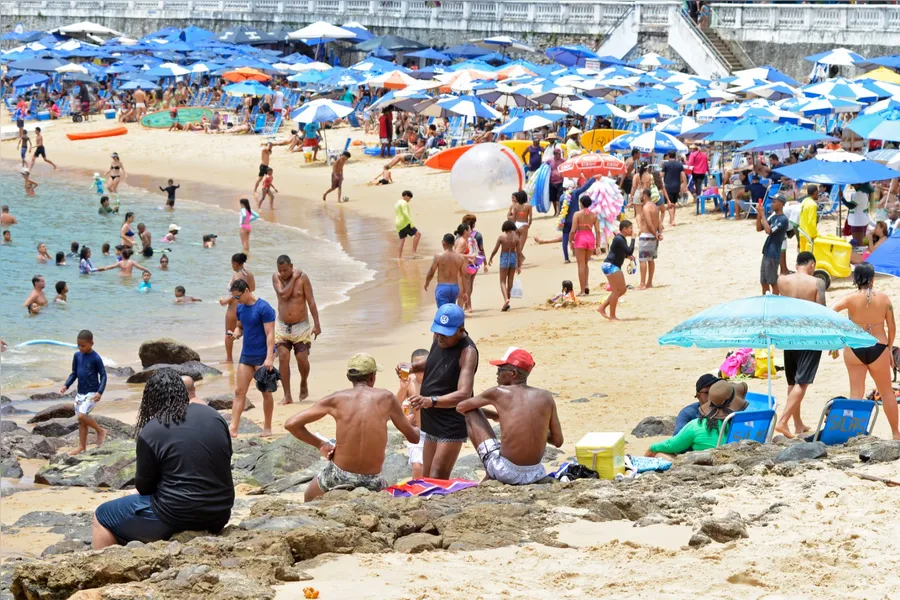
x,y
50,518
5,400
699,540
66,547
881,452
112,465
293,483
25,445
10,467
291,574
395,467
261,463
165,351
802,451
551,453
466,473
44,396
651,519
7,410
225,402
193,369
725,529
57,411
654,427
56,427
115,429
697,458
9,427
579,401
120,371
418,542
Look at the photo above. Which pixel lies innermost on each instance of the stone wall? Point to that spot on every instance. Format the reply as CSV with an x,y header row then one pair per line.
x,y
789,57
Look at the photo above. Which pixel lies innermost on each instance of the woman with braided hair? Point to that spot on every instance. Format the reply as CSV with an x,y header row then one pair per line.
x,y
183,475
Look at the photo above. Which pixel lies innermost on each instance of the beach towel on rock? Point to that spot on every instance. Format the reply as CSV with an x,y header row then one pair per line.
x,y
429,487
642,464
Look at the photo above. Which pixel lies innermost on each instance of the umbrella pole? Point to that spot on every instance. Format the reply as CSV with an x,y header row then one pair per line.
x,y
771,358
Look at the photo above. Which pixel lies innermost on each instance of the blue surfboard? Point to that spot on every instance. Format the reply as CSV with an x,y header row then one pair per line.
x,y
541,197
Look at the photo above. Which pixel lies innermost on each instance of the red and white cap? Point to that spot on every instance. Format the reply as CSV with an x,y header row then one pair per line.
x,y
516,357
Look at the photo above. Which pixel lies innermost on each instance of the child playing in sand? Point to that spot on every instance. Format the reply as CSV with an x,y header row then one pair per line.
x,y
267,188
61,290
409,387
30,183
180,298
88,369
145,282
97,184
384,178
565,298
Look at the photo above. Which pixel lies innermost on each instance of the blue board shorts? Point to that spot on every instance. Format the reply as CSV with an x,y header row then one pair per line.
x,y
253,361
446,293
509,260
132,518
609,268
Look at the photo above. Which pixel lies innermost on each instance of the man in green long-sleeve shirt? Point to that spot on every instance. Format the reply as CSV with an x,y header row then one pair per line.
x,y
404,225
703,433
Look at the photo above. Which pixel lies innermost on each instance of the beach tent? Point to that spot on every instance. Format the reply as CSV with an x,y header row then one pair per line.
x,y
886,257
465,51
245,35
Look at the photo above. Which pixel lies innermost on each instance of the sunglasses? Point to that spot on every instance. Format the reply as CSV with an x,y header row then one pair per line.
x,y
238,297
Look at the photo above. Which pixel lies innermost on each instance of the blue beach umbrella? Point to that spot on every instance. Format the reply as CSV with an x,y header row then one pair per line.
x,y
786,136
892,62
139,83
248,88
839,56
838,168
30,79
647,96
840,88
886,257
651,59
594,107
321,111
622,142
742,130
653,112
380,52
38,64
826,106
880,126
571,55
466,51
429,54
656,141
677,125
310,76
530,121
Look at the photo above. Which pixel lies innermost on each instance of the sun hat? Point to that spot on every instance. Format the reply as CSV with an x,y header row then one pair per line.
x,y
448,319
174,227
516,357
724,398
362,364
574,131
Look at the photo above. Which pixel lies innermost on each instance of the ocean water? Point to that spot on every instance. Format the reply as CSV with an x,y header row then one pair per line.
x,y
65,210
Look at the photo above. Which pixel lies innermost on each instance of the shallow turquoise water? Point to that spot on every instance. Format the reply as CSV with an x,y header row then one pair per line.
x,y
110,305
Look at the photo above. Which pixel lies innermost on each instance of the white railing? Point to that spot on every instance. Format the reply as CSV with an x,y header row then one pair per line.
x,y
860,17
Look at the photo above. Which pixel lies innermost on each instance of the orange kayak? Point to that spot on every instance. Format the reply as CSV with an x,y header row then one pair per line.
x,y
445,159
90,135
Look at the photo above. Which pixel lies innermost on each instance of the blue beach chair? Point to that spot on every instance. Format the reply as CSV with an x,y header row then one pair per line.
x,y
843,419
825,210
756,425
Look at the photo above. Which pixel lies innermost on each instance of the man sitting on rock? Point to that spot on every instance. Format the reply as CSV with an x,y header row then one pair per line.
x,y
692,411
361,415
528,421
703,433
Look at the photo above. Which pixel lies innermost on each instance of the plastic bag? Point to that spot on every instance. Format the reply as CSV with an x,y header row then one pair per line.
x,y
516,291
762,364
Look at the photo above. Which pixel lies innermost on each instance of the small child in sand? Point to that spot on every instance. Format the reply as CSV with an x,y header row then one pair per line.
x,y
30,184
88,369
267,188
61,290
410,383
384,178
145,285
209,240
180,298
565,298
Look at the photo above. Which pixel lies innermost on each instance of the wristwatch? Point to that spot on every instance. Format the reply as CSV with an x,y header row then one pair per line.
x,y
433,401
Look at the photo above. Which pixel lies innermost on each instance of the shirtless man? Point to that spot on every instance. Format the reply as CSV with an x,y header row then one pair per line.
x,y
39,149
450,266
125,265
292,329
37,295
6,218
528,421
337,176
648,242
146,238
800,366
237,265
140,103
264,157
361,414
192,392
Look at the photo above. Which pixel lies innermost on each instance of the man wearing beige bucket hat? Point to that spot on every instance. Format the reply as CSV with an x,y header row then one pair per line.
x,y
725,398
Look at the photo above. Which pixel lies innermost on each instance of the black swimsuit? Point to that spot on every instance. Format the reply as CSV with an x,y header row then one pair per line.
x,y
114,168
869,354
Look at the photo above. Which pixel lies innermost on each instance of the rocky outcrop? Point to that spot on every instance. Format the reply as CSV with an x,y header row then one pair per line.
x,y
26,445
57,411
802,451
654,427
10,467
120,371
111,465
44,396
262,463
115,429
886,451
225,402
194,369
165,351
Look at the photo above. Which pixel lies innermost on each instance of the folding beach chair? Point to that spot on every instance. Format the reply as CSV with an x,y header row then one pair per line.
x,y
259,123
756,402
756,425
271,129
826,210
844,419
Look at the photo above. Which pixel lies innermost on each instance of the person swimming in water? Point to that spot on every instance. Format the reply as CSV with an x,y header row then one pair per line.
x,y
145,285
43,254
125,265
163,263
180,297
126,233
85,266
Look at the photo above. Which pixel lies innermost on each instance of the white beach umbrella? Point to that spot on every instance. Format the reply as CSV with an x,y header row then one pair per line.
x,y
313,66
86,27
321,29
71,68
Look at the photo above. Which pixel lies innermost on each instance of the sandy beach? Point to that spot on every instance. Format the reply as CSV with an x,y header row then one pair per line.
x,y
605,376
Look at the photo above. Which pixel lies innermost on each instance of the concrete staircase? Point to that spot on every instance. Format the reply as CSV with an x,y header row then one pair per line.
x,y
734,63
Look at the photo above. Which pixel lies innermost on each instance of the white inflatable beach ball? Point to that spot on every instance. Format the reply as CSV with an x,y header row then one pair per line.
x,y
485,177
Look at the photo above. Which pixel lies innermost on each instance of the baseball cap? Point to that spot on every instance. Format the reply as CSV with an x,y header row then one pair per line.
x,y
448,319
779,198
212,235
362,364
516,357
706,380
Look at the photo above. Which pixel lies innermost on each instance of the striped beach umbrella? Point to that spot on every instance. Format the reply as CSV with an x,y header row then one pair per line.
x,y
840,88
530,121
839,56
677,125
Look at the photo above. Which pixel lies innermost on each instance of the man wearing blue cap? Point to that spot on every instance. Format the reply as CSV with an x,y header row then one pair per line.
x,y
448,379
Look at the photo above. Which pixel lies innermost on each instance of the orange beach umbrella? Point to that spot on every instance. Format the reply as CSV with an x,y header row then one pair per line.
x,y
592,165
245,74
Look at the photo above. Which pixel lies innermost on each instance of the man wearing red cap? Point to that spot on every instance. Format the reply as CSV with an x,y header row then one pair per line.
x,y
528,421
